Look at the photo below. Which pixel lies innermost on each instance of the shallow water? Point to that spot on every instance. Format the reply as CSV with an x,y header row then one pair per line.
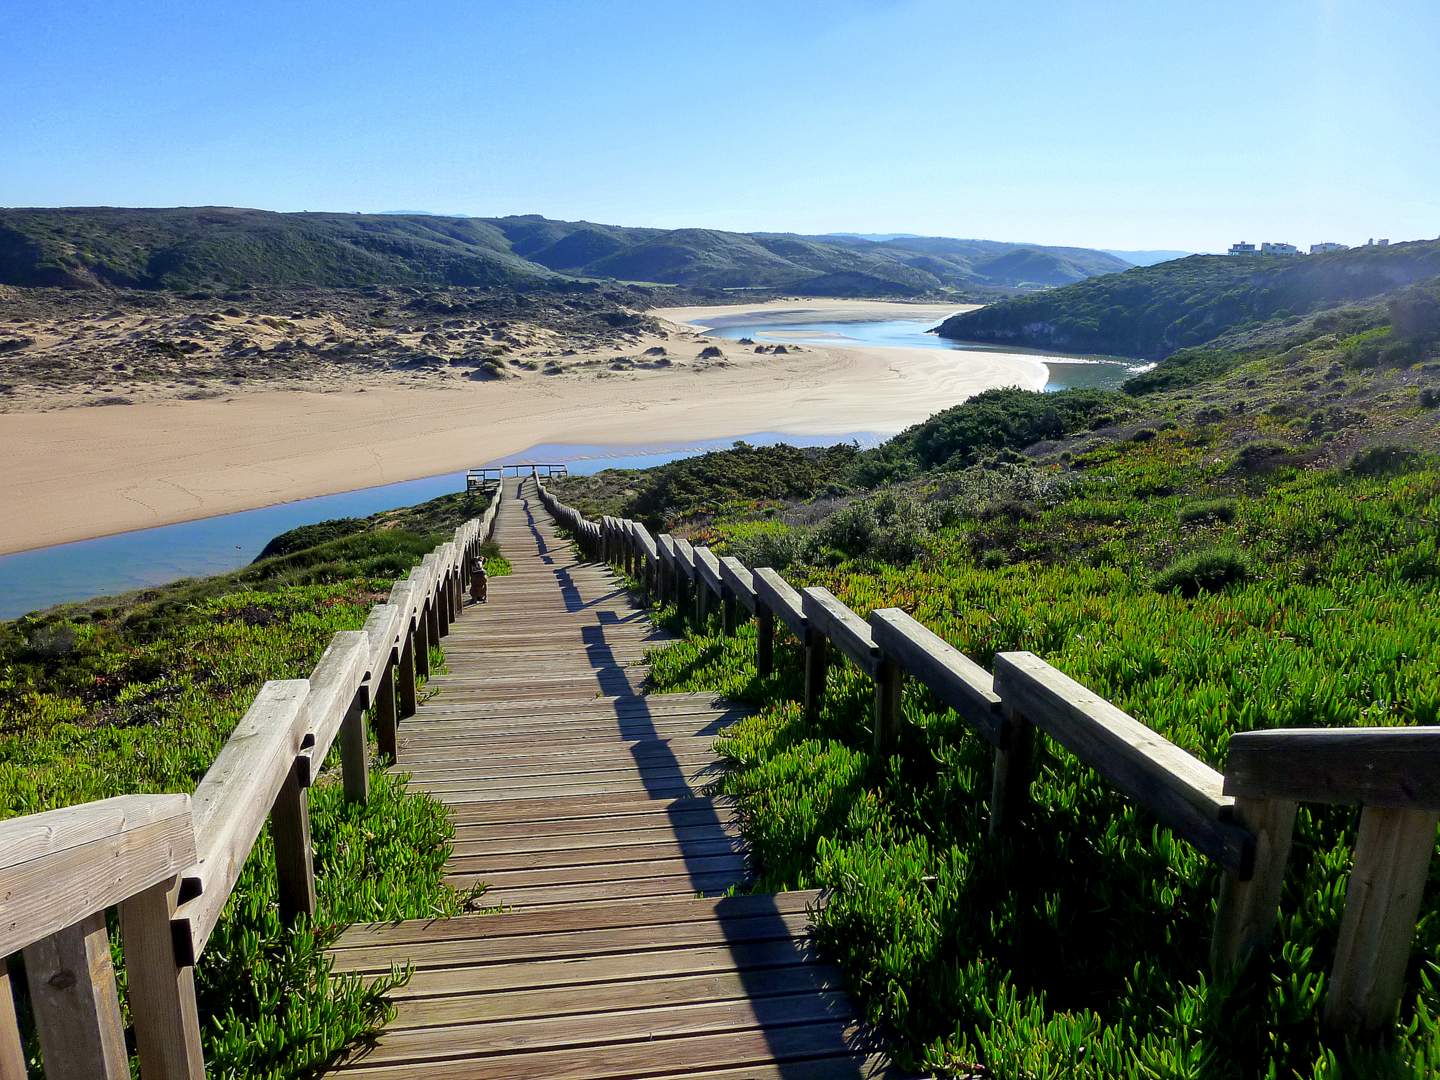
x,y
30,580
1066,372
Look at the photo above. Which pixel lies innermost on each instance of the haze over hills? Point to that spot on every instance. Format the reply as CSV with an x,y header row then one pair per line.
x,y
1153,311
195,247
1147,257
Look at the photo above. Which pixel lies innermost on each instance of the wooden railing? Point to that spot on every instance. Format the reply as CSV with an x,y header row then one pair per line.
x,y
489,476
170,862
1241,819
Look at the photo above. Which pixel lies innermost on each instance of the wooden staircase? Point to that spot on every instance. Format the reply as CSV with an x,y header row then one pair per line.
x,y
579,802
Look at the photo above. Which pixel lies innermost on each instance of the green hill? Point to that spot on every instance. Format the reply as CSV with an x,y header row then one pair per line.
x,y
199,247
1153,311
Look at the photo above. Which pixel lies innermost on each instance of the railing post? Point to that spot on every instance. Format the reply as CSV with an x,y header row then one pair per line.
x,y
1246,911
702,602
817,649
77,1009
1014,762
161,990
764,640
729,611
432,612
406,670
12,1047
422,641
1382,901
889,684
386,735
442,607
355,752
294,853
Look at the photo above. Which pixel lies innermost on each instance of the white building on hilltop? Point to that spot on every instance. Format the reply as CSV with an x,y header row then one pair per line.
x,y
1242,248
1279,249
1321,249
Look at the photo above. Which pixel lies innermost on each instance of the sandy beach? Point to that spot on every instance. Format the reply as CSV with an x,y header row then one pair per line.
x,y
76,473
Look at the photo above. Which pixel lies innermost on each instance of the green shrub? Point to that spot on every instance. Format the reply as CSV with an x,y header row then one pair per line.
x,y
1208,510
1203,571
1383,461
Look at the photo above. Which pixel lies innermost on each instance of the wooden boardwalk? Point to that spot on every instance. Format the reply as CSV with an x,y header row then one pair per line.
x,y
580,804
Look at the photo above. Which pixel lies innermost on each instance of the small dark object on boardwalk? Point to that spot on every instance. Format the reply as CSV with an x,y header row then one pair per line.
x,y
479,582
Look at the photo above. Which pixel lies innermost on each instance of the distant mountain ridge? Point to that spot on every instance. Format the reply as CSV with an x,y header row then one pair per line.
x,y
202,247
1153,311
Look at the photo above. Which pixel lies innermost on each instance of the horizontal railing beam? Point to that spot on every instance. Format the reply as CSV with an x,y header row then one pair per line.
x,y
59,866
846,631
1393,766
1181,790
955,680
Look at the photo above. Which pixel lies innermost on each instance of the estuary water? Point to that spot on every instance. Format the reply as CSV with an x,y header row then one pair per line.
x,y
108,565
1067,372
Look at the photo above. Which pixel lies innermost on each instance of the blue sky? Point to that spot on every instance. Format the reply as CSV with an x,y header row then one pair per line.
x,y
1110,124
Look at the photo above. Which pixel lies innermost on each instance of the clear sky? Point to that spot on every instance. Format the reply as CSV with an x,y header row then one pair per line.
x,y
1108,124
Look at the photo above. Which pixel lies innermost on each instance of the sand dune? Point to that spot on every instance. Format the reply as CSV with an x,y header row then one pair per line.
x,y
83,472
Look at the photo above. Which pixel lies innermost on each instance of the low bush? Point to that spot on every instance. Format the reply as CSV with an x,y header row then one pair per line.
x,y
1203,571
1206,511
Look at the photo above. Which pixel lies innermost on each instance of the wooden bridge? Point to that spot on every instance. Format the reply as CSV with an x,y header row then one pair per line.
x,y
582,804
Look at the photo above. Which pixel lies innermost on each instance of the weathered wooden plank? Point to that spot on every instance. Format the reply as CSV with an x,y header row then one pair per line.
x,y
334,683
784,602
75,1004
59,866
1382,901
12,1045
707,569
737,578
847,631
952,677
1392,766
161,988
1182,791
234,797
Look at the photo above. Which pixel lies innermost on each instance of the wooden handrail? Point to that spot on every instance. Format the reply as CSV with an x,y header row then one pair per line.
x,y
171,861
58,866
1241,819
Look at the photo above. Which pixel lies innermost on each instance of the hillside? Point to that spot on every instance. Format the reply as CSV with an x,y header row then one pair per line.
x,y
1152,311
204,247
1250,547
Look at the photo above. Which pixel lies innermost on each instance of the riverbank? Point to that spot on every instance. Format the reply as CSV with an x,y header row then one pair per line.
x,y
78,473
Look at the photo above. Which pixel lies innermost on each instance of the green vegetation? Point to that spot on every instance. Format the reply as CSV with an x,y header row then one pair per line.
x,y
206,247
1253,549
1154,311
139,694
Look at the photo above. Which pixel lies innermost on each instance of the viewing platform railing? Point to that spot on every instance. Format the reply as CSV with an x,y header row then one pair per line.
x,y
170,862
1242,819
488,477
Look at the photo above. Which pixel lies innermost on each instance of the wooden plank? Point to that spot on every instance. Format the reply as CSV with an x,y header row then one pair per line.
x,y
1246,912
555,1003
707,569
952,677
1390,766
644,1057
1382,901
581,943
736,577
601,1031
161,988
75,1003
784,602
847,631
234,797
1182,791
12,1046
59,866
334,683
294,851
685,559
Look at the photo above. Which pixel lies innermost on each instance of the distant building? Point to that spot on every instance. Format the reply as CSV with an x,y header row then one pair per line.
x,y
1377,243
1242,248
1321,249
1279,249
